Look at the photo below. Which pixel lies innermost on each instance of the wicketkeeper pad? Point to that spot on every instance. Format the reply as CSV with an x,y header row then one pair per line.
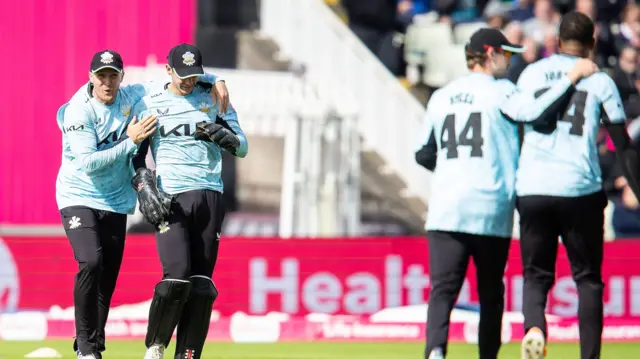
x,y
168,302
194,322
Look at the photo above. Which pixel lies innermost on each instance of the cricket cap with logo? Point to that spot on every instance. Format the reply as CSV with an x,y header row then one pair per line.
x,y
486,38
106,59
186,61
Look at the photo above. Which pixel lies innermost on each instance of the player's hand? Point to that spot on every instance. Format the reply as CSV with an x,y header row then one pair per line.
x,y
629,199
621,182
218,134
220,96
139,130
583,68
155,205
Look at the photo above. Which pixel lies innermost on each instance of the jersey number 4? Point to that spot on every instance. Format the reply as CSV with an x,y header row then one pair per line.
x,y
471,135
578,102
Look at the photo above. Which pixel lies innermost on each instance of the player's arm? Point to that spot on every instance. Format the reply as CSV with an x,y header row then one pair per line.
x,y
613,117
229,120
219,93
215,83
146,88
427,149
138,159
140,155
521,104
78,126
225,132
155,204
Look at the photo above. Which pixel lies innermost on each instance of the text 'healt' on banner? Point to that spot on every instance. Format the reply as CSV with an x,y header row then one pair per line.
x,y
300,276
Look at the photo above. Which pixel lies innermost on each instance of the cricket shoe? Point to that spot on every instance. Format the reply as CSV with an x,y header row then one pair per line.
x,y
534,345
156,351
88,356
436,353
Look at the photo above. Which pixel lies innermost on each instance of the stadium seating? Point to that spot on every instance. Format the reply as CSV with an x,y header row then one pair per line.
x,y
462,32
436,50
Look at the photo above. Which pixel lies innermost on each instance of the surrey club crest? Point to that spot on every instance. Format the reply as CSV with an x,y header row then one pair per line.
x,y
106,57
74,222
204,107
126,110
163,227
188,58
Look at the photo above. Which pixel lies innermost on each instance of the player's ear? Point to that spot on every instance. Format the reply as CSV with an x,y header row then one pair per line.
x,y
169,69
490,53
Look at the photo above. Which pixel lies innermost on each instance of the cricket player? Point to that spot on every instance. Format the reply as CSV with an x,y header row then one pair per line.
x,y
470,141
560,191
93,193
187,150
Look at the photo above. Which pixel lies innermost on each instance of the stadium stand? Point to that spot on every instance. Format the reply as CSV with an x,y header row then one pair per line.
x,y
433,54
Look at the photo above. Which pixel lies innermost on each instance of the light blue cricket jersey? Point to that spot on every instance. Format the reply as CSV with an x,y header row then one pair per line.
x,y
96,165
473,184
182,162
562,160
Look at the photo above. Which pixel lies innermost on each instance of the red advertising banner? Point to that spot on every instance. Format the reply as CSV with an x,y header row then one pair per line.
x,y
299,276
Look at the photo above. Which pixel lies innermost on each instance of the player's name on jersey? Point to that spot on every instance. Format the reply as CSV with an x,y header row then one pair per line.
x,y
461,98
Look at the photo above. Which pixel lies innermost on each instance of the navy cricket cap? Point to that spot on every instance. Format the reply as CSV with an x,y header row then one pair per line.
x,y
485,38
106,59
186,61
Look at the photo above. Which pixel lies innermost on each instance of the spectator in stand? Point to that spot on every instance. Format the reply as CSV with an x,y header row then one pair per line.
x,y
375,23
518,63
625,76
630,27
609,11
549,43
496,15
605,45
544,17
563,6
522,11
626,210
586,7
407,9
513,32
459,11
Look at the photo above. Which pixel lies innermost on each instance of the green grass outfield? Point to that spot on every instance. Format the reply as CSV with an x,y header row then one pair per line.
x,y
317,350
